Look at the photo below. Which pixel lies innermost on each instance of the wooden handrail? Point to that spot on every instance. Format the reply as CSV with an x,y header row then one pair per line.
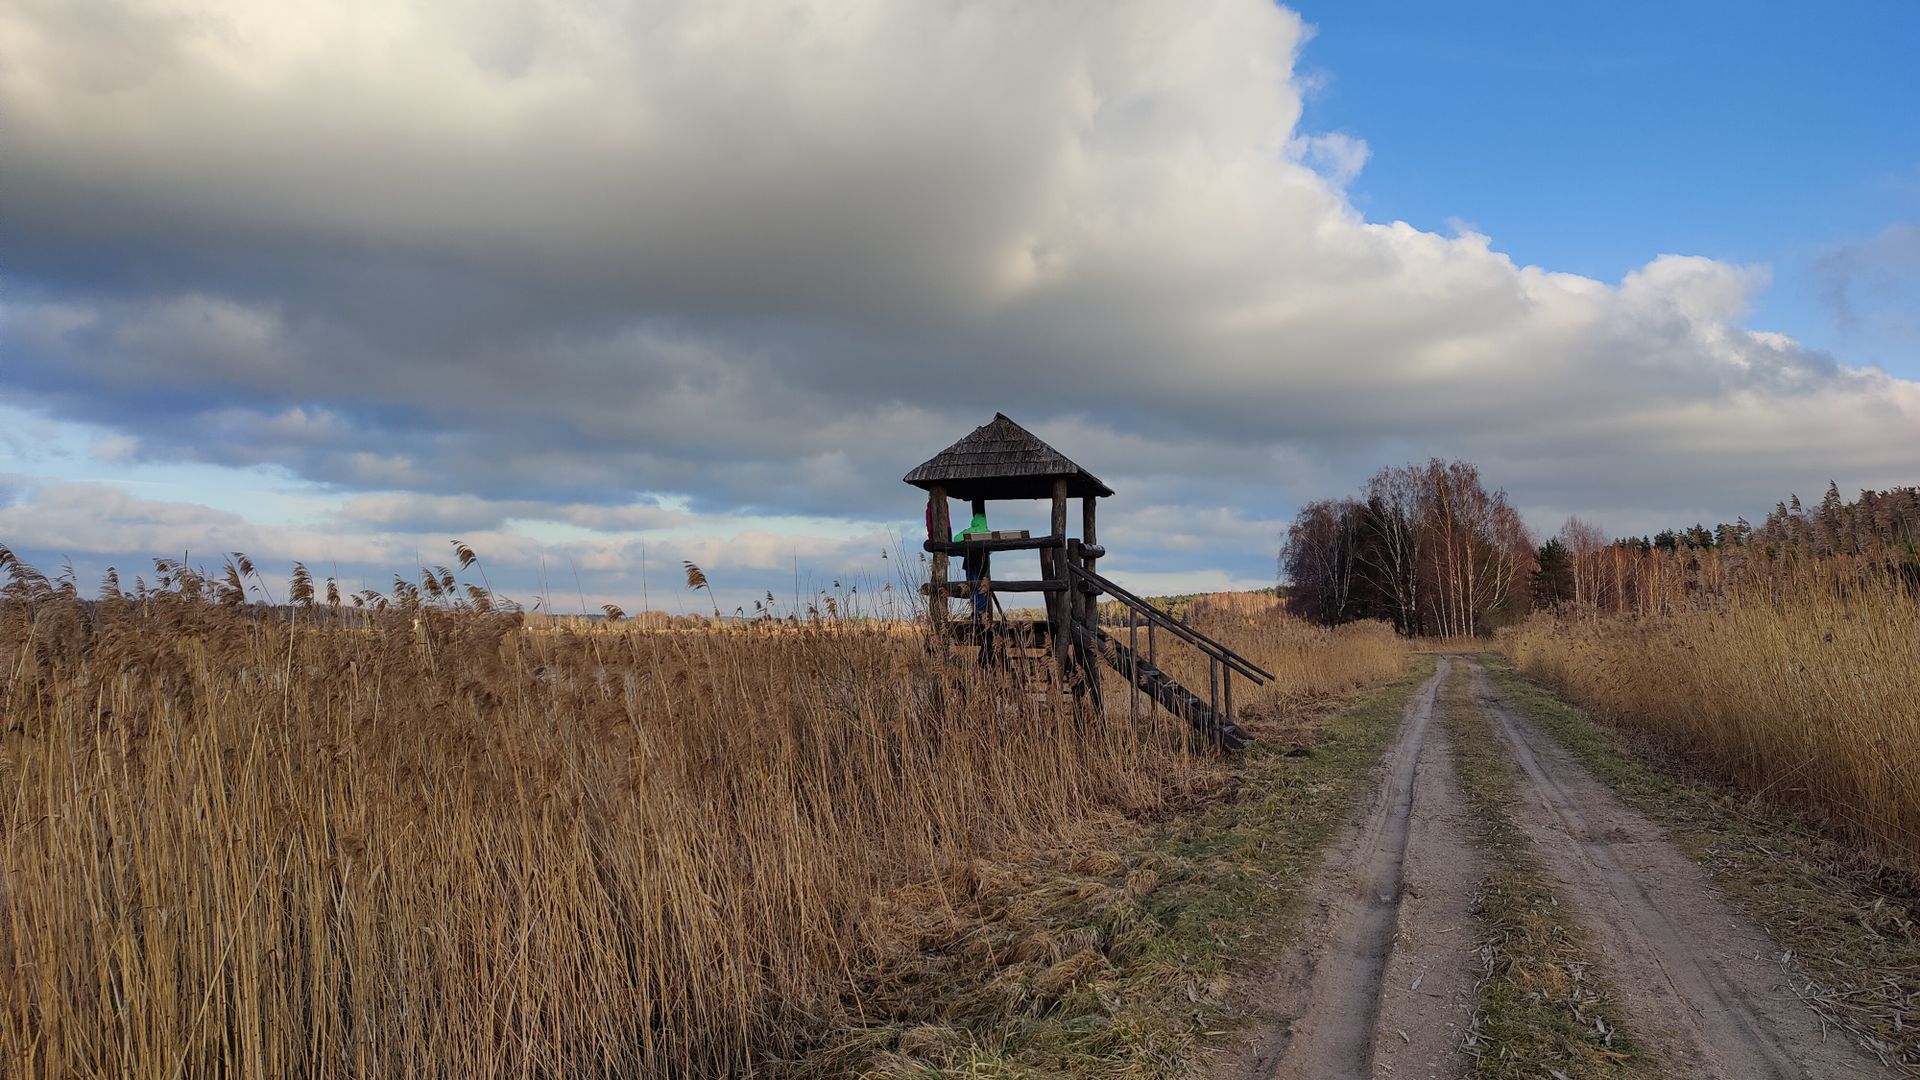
x,y
1180,627
967,588
1010,543
1225,655
1209,718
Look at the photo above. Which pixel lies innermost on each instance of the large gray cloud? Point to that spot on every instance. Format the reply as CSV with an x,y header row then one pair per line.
x,y
768,256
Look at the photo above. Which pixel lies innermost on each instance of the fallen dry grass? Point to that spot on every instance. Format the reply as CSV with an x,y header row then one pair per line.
x,y
248,841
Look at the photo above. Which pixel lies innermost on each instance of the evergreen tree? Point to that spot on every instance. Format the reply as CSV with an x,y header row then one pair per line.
x,y
1553,581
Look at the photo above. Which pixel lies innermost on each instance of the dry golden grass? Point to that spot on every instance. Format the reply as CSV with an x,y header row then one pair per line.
x,y
243,841
1804,689
1310,662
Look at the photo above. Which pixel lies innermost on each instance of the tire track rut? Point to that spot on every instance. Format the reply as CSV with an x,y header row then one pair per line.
x,y
1384,981
1380,986
1697,980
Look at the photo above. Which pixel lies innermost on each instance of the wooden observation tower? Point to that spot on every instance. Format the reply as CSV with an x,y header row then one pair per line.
x,y
1002,460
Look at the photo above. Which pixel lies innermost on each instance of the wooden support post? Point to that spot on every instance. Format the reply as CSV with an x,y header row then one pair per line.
x,y
1077,556
937,603
1047,598
1226,692
1213,685
1133,646
1087,537
1076,603
1060,609
1089,603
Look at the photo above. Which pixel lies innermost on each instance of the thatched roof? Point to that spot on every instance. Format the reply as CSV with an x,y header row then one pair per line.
x,y
1003,460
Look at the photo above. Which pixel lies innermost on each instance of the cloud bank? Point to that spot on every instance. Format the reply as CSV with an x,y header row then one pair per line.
x,y
470,264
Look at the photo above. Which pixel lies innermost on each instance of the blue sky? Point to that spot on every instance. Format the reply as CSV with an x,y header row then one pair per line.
x,y
1590,138
702,279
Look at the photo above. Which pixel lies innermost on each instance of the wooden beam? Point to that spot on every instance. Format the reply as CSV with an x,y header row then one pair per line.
x,y
961,547
1213,685
937,578
1090,554
1059,608
966,588
1028,629
1052,568
1077,618
1077,599
1087,537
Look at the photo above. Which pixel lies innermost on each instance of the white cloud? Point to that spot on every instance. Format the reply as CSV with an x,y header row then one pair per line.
x,y
1336,156
80,519
374,536
557,257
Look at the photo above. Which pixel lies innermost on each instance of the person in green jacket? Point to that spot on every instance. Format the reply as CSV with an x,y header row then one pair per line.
x,y
976,565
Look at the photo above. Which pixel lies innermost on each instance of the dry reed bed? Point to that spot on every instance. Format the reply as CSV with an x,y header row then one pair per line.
x,y
241,843
1310,662
1805,691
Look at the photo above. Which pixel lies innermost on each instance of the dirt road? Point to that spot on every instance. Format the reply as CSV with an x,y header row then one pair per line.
x,y
1383,984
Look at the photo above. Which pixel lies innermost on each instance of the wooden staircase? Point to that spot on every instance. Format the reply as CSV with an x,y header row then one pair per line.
x,y
1212,715
1025,646
1217,726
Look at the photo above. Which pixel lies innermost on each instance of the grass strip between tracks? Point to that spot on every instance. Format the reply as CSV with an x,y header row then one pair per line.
x,y
1115,955
1850,922
1539,1009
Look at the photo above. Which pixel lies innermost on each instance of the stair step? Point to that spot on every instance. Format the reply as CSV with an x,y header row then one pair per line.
x,y
1164,689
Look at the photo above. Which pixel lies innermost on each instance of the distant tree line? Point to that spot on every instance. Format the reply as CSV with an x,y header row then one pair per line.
x,y
1425,547
1429,549
1874,536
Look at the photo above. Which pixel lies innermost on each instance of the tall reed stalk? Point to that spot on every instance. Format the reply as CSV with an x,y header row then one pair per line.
x,y
251,842
1802,685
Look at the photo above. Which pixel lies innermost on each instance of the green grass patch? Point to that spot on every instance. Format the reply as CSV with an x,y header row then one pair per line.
x,y
1539,1010
1850,921
1114,958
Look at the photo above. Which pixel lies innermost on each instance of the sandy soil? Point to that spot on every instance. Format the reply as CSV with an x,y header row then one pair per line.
x,y
1382,982
1427,996
1384,985
1707,987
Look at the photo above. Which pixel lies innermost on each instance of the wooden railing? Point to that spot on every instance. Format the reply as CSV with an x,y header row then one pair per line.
x,y
1072,589
1223,662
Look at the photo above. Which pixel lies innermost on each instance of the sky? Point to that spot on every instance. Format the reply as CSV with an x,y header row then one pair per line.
x,y
604,287
1766,134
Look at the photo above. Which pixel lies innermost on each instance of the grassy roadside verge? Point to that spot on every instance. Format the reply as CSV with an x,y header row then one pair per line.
x,y
1851,924
1114,954
1538,1009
